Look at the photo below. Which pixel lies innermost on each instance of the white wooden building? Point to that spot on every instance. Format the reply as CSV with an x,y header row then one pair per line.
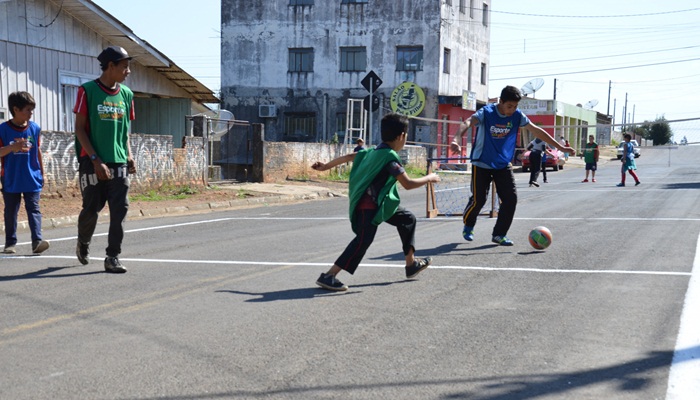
x,y
49,47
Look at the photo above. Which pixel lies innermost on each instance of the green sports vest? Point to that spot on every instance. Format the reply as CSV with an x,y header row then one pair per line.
x,y
108,116
366,166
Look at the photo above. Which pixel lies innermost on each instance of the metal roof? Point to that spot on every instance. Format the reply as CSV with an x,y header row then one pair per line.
x,y
119,34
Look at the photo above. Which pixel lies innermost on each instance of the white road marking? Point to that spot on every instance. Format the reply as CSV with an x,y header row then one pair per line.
x,y
684,378
373,265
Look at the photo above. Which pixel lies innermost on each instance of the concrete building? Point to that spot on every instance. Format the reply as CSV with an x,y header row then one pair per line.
x,y
293,64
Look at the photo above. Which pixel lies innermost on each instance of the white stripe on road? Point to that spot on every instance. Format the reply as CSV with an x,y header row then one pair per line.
x,y
684,378
371,265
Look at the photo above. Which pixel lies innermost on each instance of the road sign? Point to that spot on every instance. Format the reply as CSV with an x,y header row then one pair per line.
x,y
371,82
374,101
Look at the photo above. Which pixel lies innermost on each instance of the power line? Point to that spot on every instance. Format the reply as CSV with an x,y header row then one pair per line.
x,y
595,16
599,70
592,58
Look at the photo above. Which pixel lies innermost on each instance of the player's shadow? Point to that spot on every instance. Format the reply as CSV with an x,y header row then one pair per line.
x,y
288,294
47,273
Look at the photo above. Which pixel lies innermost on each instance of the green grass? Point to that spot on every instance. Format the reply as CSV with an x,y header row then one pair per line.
x,y
165,193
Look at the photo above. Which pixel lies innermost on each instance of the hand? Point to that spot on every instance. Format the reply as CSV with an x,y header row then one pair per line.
x,y
455,147
318,166
131,165
433,178
102,170
570,150
20,145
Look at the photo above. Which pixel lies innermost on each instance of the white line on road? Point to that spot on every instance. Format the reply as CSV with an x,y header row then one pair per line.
x,y
371,265
684,378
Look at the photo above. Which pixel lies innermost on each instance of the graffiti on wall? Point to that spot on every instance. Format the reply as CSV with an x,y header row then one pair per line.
x,y
157,163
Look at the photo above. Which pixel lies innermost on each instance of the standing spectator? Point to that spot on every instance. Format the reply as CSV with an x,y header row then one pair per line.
x,y
537,149
22,171
628,163
360,145
591,155
565,143
103,111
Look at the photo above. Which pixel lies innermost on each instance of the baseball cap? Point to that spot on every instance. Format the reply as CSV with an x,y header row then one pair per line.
x,y
113,54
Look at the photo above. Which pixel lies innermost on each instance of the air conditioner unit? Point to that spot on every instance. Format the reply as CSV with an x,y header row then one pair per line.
x,y
267,111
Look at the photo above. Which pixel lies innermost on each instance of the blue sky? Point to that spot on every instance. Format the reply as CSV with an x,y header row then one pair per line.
x,y
616,41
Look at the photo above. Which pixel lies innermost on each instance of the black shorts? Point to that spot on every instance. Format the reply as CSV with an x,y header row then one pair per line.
x,y
591,166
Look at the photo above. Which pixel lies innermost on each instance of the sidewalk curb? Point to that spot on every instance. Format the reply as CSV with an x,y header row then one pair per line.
x,y
143,213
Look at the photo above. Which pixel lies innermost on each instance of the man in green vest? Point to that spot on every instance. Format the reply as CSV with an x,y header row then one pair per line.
x,y
374,198
103,111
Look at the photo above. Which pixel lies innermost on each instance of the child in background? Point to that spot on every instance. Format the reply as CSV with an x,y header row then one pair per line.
x,y
590,156
374,198
628,163
22,171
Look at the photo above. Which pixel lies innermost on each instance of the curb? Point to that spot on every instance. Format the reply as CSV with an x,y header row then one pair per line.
x,y
143,213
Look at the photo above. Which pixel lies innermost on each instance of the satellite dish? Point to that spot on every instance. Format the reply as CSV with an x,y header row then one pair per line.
x,y
532,86
590,104
219,121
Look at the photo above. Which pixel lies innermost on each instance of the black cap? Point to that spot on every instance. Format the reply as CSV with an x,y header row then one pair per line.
x,y
113,54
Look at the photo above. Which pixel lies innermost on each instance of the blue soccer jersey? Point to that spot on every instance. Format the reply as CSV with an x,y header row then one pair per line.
x,y
21,172
495,137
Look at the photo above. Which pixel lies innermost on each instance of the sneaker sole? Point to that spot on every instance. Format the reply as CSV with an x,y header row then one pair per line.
x,y
429,261
116,270
41,248
331,288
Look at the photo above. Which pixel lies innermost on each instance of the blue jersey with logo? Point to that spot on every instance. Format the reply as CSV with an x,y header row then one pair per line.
x,y
495,137
21,172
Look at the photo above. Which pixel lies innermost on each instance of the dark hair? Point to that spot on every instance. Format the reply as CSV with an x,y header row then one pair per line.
x,y
393,125
627,136
510,93
20,100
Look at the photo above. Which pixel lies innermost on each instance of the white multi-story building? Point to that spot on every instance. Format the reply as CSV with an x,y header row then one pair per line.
x,y
293,64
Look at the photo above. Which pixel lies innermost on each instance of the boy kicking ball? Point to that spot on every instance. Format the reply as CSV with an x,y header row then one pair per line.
x,y
374,198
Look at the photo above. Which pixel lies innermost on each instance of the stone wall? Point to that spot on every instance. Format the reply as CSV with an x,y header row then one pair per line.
x,y
157,162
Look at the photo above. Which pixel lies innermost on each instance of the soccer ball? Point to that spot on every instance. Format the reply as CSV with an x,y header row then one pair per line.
x,y
540,238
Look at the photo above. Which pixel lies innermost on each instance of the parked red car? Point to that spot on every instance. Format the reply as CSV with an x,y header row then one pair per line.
x,y
555,162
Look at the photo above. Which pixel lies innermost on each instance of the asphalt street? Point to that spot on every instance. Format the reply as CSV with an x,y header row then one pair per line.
x,y
224,306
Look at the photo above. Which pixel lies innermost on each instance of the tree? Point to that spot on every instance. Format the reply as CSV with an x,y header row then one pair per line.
x,y
660,131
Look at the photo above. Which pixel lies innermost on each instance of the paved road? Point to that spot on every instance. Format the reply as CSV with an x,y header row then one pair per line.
x,y
224,306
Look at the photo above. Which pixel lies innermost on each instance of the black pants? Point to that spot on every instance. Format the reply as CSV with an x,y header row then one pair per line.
x,y
403,220
96,193
507,194
535,165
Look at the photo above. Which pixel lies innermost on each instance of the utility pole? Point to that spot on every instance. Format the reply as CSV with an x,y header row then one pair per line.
x,y
609,88
555,89
624,115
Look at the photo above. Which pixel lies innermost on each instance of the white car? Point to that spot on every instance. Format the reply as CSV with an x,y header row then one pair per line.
x,y
621,148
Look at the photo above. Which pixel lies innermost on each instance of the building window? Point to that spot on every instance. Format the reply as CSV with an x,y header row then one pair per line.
x,y
353,59
471,9
446,61
69,82
448,2
409,58
469,76
301,60
301,2
300,127
486,14
483,73
353,1
462,6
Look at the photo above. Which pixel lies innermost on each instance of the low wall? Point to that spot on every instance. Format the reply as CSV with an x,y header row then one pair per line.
x,y
293,160
157,162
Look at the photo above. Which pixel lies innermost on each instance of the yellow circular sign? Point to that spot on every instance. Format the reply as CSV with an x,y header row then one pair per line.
x,y
408,99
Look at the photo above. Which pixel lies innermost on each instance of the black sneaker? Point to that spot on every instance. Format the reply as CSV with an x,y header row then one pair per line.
x,y
329,282
113,265
82,250
417,267
39,246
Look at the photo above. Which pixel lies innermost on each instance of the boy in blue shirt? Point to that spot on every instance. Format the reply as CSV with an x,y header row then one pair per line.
x,y
492,152
22,171
374,198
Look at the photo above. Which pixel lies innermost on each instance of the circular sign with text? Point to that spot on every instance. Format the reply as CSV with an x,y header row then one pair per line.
x,y
408,99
